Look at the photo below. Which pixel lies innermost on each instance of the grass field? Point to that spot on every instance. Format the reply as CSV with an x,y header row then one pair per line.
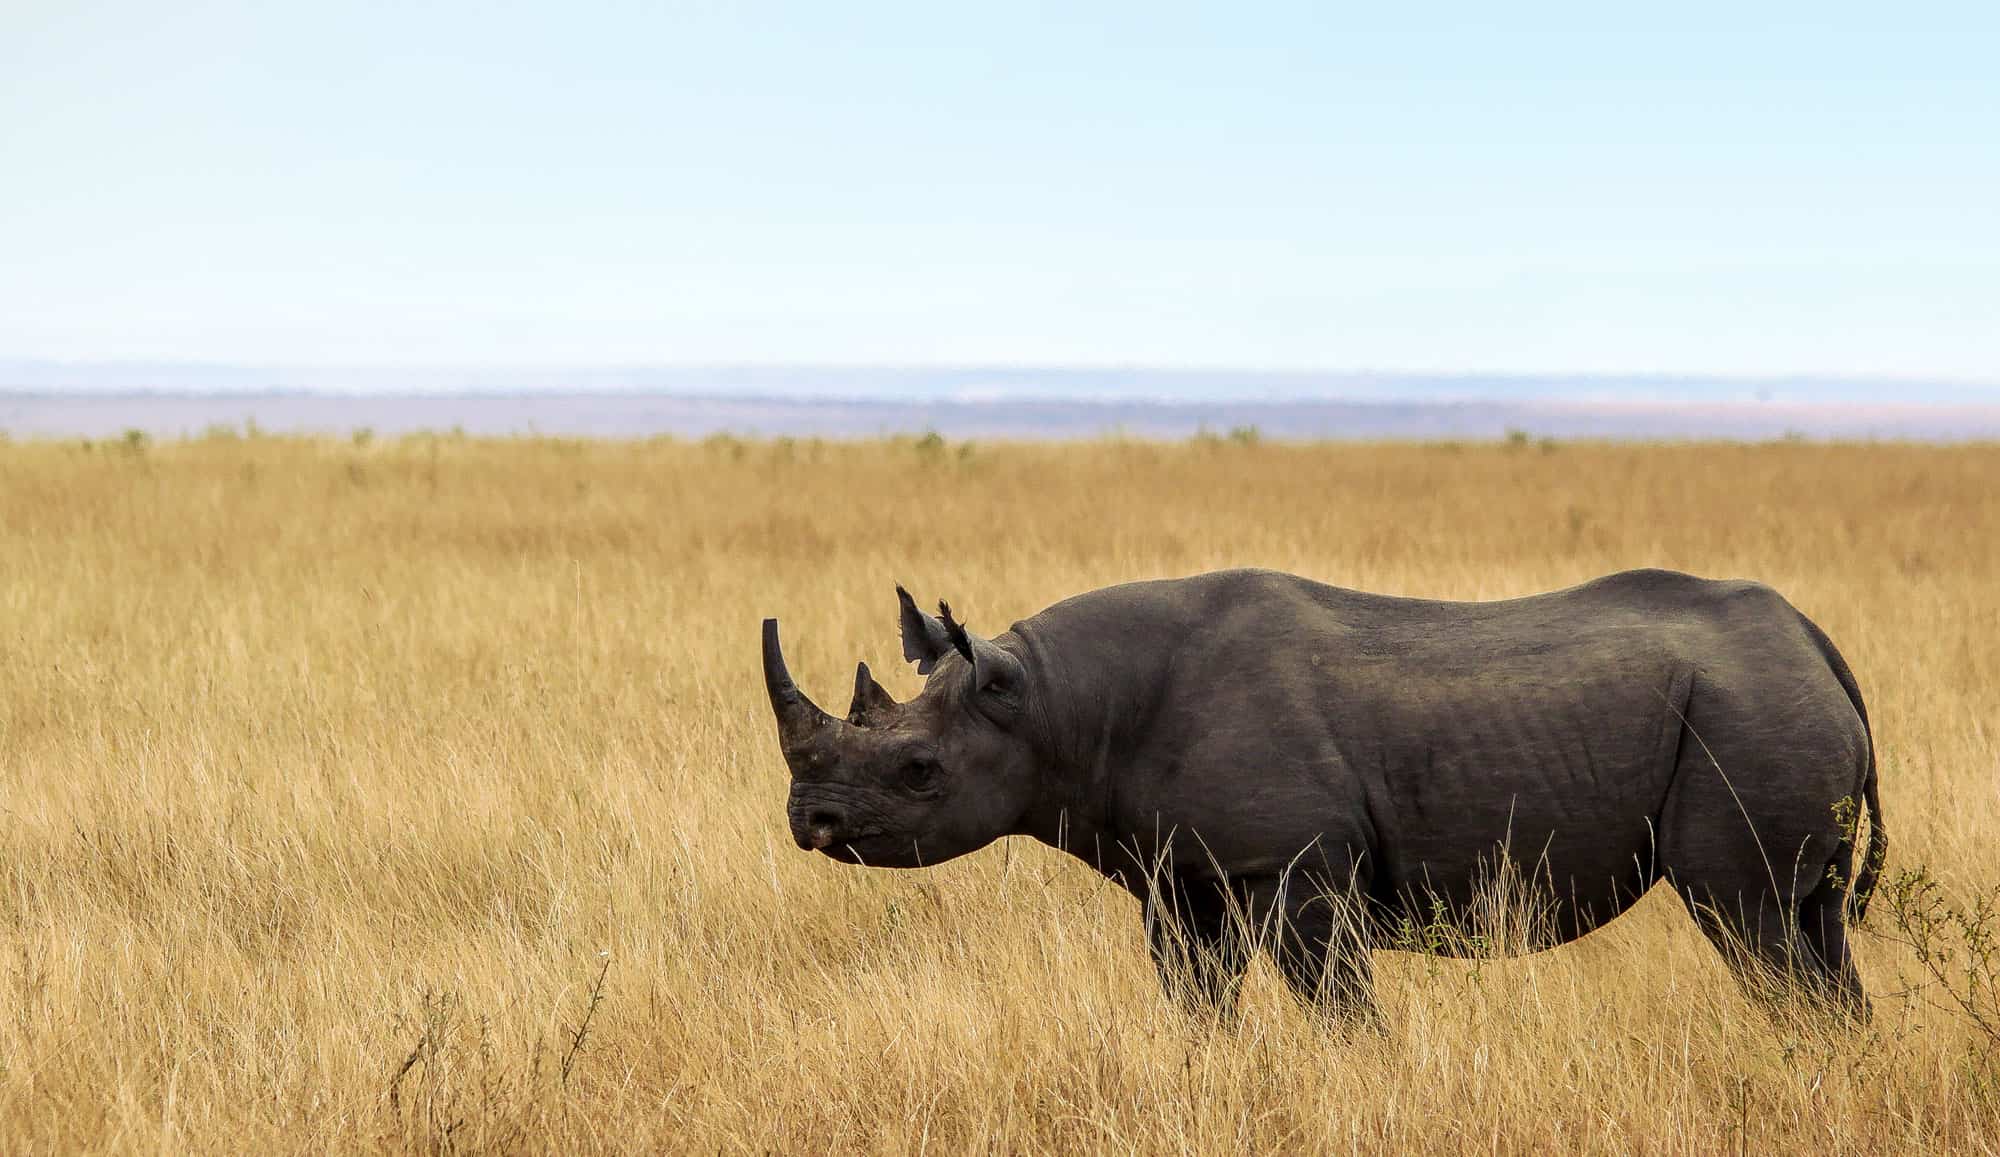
x,y
422,794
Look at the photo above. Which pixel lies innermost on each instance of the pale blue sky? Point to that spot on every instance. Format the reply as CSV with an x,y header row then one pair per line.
x,y
1724,188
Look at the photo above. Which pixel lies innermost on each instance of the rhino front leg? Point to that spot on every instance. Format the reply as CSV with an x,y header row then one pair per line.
x,y
1320,943
1197,938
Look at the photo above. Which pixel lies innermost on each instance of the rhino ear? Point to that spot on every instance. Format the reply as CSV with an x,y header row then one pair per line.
x,y
997,676
871,702
925,640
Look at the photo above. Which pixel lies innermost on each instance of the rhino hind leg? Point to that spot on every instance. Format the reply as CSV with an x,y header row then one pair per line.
x,y
1751,838
1786,955
1823,930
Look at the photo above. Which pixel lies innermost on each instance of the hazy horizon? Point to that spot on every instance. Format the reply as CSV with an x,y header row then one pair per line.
x,y
1010,406
988,383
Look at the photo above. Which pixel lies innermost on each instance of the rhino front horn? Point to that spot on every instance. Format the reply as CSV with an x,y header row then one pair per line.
x,y
798,716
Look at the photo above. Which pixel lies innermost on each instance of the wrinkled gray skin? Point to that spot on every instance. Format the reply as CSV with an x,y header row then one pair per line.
x,y
1273,764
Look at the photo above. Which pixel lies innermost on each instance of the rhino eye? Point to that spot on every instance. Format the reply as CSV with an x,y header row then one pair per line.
x,y
919,774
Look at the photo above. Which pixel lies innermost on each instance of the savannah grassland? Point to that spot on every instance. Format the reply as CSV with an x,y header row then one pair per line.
x,y
345,784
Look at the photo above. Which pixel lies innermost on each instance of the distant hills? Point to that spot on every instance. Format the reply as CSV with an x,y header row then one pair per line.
x,y
49,399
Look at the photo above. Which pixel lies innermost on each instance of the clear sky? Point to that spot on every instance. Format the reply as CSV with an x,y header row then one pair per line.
x,y
1734,188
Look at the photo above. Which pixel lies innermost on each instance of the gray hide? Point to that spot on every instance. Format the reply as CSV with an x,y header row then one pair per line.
x,y
1270,763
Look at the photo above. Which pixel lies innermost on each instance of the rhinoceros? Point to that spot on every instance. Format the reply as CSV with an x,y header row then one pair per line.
x,y
1273,764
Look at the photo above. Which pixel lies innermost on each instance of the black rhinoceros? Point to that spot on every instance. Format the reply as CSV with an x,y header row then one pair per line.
x,y
1268,761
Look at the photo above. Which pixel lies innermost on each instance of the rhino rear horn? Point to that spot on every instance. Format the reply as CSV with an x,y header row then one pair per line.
x,y
798,716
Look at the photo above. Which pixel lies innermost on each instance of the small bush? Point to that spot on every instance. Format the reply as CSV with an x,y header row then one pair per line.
x,y
1956,942
725,444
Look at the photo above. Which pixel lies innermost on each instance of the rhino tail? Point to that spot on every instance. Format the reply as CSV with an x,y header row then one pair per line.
x,y
1870,872
1878,848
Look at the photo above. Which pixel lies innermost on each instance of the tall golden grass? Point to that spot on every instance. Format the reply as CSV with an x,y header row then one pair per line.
x,y
421,794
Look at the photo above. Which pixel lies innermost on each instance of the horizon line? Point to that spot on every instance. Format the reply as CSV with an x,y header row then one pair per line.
x,y
10,363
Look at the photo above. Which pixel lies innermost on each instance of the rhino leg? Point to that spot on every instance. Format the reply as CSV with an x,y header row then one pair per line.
x,y
1786,954
1751,835
1823,929
1197,934
1320,945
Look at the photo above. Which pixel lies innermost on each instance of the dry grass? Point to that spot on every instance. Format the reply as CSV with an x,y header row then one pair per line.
x,y
331,769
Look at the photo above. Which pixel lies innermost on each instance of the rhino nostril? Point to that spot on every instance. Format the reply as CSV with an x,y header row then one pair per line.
x,y
816,826
820,828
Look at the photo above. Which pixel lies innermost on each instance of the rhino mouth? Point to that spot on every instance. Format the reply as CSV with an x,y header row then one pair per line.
x,y
870,849
823,838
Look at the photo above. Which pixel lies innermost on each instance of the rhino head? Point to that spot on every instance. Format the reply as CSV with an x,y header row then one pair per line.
x,y
909,784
